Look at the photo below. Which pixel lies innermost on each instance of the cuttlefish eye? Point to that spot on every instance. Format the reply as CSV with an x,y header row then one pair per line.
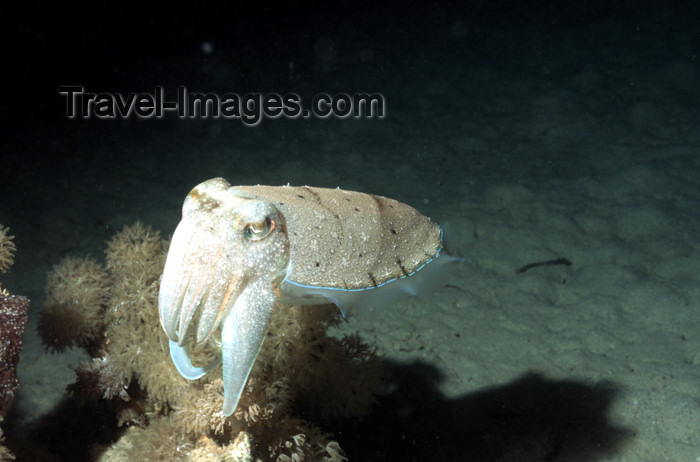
x,y
258,230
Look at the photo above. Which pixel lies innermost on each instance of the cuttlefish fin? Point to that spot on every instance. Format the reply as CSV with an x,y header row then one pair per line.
x,y
181,359
242,337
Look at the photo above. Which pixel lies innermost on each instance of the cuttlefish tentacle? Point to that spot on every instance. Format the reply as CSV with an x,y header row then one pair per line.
x,y
171,287
181,358
242,337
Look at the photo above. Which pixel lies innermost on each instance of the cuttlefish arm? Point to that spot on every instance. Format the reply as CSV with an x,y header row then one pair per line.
x,y
181,358
242,337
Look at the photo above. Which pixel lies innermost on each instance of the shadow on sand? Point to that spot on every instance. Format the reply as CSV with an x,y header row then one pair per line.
x,y
532,419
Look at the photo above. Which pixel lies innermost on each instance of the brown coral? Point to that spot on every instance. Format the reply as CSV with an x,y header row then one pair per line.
x,y
334,378
238,450
136,248
77,293
298,363
7,249
98,379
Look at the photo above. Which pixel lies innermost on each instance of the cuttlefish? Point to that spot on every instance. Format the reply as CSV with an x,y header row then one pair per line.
x,y
240,251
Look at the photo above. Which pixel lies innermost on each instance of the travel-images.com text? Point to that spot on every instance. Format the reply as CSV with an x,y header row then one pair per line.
x,y
249,108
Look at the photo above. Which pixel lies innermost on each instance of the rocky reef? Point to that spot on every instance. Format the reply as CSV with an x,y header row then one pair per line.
x,y
302,378
13,320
